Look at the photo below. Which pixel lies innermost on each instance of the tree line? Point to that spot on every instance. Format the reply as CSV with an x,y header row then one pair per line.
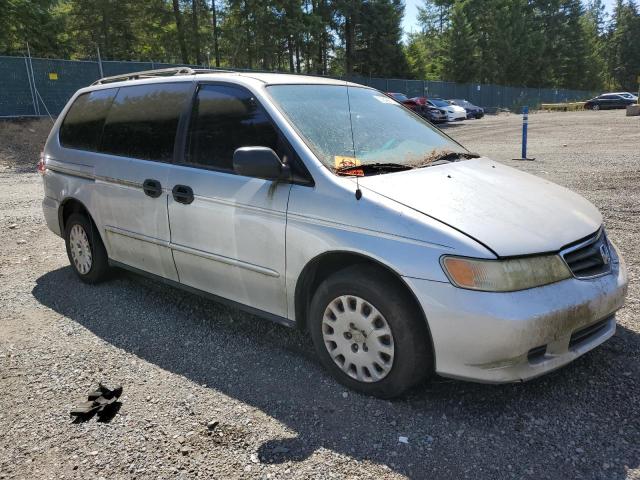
x,y
534,43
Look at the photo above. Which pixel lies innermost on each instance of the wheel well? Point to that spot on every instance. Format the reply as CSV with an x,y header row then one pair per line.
x,y
318,269
69,207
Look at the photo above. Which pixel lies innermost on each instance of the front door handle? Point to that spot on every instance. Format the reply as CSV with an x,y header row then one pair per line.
x,y
182,194
152,188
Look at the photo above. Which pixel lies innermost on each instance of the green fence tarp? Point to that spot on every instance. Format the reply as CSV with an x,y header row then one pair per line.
x,y
54,81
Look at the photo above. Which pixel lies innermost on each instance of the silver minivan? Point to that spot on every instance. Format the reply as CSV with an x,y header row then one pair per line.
x,y
328,206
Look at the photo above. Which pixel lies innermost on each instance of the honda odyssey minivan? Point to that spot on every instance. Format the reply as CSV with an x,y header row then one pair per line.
x,y
328,206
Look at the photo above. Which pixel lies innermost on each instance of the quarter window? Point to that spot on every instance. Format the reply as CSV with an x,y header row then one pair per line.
x,y
82,126
223,119
143,120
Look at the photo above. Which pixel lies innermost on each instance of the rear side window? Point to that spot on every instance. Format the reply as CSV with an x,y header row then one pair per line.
x,y
143,120
223,119
82,126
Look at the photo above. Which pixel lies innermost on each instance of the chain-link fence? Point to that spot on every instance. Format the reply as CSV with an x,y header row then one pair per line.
x,y
41,86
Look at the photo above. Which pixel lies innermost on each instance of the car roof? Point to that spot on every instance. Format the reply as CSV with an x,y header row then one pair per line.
x,y
188,75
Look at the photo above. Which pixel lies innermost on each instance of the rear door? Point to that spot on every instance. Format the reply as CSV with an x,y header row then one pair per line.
x,y
228,231
132,172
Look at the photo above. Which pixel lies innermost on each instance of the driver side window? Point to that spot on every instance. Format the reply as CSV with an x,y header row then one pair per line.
x,y
223,119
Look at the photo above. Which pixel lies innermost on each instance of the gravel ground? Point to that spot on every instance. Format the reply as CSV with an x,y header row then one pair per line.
x,y
185,361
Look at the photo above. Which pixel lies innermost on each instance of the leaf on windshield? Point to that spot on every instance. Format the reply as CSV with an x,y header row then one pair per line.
x,y
431,157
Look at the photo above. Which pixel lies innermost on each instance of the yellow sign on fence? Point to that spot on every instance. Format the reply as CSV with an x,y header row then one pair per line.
x,y
53,76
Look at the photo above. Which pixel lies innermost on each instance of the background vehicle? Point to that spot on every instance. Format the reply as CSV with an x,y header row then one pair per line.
x,y
433,114
473,111
608,101
406,101
454,112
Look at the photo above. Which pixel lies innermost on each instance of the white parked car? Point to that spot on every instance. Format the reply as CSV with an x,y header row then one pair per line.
x,y
329,206
454,112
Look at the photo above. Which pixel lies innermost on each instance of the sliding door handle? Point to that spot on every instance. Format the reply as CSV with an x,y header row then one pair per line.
x,y
152,188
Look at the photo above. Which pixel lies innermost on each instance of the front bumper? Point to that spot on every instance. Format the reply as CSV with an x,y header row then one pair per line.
x,y
437,118
509,337
456,116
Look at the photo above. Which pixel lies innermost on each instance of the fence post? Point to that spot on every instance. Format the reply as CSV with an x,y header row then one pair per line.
x,y
33,81
100,62
33,97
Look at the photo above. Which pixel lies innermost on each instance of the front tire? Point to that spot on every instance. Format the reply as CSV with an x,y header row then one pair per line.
x,y
595,107
85,249
368,333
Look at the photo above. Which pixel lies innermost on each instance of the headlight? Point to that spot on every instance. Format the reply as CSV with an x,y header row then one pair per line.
x,y
505,275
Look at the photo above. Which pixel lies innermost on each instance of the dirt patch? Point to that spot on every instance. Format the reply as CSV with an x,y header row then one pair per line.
x,y
21,143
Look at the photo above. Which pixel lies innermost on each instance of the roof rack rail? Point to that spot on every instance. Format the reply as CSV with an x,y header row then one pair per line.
x,y
162,72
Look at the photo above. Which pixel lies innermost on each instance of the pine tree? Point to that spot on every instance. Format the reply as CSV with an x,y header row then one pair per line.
x,y
624,46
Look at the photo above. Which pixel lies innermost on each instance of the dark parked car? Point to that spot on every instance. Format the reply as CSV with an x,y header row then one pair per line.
x,y
608,100
473,111
434,115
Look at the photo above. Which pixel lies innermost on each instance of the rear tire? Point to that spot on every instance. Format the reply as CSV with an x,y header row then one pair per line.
x,y
85,249
377,343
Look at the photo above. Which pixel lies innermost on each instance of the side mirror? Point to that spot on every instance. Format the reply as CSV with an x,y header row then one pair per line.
x,y
259,162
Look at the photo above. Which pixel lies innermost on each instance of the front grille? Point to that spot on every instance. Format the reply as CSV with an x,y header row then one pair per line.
x,y
590,257
585,333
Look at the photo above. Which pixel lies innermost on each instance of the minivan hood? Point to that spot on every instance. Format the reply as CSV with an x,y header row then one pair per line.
x,y
509,211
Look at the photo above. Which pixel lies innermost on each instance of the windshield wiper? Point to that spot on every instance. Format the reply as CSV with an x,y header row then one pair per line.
x,y
360,170
445,156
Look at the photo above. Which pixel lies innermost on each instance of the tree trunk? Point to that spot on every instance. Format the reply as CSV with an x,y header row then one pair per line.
x,y
297,55
290,49
106,48
183,46
196,32
214,25
248,35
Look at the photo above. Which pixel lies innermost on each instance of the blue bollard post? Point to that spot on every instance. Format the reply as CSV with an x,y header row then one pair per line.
x,y
525,124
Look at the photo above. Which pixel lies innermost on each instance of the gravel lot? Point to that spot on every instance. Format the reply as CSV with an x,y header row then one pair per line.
x,y
185,361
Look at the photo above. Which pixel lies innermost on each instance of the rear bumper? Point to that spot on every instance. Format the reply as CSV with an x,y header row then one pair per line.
x,y
516,336
50,207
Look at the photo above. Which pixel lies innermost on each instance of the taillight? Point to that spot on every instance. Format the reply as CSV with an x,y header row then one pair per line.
x,y
41,167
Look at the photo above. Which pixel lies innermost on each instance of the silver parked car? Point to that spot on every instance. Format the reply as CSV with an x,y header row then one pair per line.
x,y
329,206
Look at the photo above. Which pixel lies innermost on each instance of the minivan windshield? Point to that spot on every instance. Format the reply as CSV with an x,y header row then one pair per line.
x,y
349,127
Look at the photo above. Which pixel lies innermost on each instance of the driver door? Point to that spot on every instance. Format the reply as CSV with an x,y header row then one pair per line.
x,y
228,231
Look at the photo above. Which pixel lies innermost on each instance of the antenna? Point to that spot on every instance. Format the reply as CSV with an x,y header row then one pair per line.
x,y
353,144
